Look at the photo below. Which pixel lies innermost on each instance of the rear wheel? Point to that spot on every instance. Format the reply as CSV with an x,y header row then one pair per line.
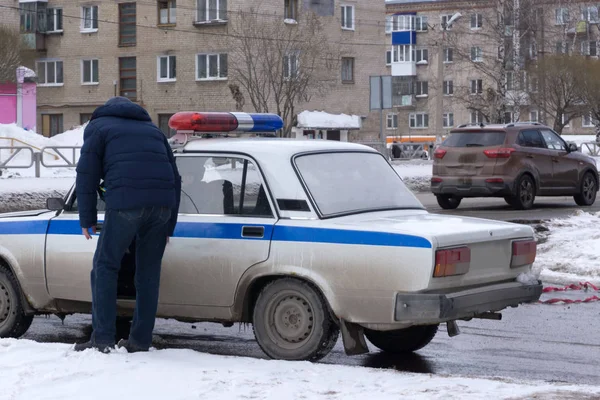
x,y
402,340
448,202
587,194
525,194
13,321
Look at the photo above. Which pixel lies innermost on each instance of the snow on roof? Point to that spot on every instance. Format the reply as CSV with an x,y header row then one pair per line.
x,y
324,120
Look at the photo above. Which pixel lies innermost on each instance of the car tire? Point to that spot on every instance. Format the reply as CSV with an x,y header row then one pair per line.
x,y
13,320
292,321
524,194
402,340
448,202
587,194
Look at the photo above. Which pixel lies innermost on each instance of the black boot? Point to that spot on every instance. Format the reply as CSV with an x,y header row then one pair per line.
x,y
102,348
130,347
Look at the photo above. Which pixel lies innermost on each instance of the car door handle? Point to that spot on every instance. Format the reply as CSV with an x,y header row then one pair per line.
x,y
253,231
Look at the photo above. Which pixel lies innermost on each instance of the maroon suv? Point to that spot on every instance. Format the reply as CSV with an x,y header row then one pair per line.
x,y
516,161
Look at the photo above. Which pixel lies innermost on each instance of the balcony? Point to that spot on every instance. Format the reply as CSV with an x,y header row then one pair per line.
x,y
33,21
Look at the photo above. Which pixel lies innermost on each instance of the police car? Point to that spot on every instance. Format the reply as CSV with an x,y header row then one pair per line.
x,y
308,240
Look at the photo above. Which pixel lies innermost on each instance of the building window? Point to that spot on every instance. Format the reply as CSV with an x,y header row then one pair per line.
x,y
28,12
589,48
167,68
421,24
419,120
84,117
445,19
448,55
422,89
403,23
128,77
421,56
402,53
562,16
290,65
50,73
392,121
476,86
388,57
55,20
212,10
89,72
448,120
389,20
565,120
448,88
476,21
510,80
562,48
587,121
533,50
534,84
211,66
590,14
127,29
89,18
533,116
476,54
476,117
290,9
348,17
347,69
508,117
163,125
52,124
167,12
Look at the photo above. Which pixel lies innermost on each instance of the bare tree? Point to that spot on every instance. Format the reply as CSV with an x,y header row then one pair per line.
x,y
280,65
13,53
560,96
589,88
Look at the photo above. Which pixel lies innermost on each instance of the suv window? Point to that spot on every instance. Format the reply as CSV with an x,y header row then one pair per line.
x,y
530,138
553,141
474,139
222,186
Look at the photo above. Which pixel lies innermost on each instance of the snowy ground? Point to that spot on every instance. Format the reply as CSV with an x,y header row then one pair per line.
x,y
31,370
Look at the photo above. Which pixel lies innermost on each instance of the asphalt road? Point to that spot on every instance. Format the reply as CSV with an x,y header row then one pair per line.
x,y
553,343
496,208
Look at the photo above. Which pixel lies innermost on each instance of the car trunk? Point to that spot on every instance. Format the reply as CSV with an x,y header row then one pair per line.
x,y
465,154
490,242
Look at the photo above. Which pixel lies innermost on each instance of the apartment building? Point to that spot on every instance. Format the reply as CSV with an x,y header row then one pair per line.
x,y
450,59
173,55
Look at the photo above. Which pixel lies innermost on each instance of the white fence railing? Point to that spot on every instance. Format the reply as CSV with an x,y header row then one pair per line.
x,y
24,157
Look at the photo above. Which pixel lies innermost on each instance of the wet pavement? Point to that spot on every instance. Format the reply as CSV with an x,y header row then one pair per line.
x,y
556,343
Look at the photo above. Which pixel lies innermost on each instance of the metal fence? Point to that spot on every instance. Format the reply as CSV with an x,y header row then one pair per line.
x,y
24,157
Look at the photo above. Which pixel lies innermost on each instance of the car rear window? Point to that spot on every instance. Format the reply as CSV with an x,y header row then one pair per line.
x,y
474,139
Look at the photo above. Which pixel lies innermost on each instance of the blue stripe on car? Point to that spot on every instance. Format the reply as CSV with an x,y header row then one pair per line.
x,y
206,230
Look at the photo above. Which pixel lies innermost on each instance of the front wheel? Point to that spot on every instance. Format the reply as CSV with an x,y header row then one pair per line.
x,y
587,194
448,202
292,321
13,321
402,340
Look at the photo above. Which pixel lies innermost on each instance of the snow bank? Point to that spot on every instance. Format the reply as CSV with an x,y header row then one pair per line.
x,y
323,120
571,251
31,370
416,174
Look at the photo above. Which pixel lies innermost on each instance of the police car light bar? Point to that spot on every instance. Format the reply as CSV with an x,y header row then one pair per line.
x,y
189,121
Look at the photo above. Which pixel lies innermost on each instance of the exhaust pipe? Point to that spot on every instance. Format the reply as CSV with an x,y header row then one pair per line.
x,y
489,315
453,329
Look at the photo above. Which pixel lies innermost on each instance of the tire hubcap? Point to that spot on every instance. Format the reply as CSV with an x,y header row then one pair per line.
x,y
589,188
526,192
291,319
5,305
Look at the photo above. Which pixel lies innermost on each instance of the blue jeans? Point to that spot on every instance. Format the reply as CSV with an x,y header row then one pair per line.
x,y
149,227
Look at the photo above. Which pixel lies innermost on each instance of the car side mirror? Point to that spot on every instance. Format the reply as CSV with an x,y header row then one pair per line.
x,y
55,203
572,147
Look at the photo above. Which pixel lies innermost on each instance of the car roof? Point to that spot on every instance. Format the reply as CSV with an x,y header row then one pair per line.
x,y
503,127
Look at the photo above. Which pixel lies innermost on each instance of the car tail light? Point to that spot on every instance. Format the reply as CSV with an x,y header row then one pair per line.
x,y
523,253
503,152
436,180
439,153
450,262
494,180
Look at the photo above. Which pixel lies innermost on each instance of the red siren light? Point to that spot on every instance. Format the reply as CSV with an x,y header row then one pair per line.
x,y
203,122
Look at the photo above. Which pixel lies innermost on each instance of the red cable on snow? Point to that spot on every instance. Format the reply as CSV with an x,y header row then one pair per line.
x,y
582,286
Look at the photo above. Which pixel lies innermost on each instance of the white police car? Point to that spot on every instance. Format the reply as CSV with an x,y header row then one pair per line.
x,y
303,239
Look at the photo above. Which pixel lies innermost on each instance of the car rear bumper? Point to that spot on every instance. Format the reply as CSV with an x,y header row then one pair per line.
x,y
471,186
440,307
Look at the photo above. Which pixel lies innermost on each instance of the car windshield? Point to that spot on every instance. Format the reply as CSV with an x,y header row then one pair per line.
x,y
474,139
353,182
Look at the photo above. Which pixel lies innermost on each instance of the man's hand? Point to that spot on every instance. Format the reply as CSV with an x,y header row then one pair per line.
x,y
86,232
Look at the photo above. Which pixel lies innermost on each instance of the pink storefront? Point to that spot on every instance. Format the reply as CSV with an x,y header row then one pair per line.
x,y
18,103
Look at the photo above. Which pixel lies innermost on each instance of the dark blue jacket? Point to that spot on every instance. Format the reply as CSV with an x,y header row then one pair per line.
x,y
124,148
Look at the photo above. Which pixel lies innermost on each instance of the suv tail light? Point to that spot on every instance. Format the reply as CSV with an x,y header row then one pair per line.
x,y
503,152
450,262
439,153
523,253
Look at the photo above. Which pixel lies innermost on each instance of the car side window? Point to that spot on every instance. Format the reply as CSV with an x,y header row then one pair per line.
x,y
530,138
100,205
222,186
553,141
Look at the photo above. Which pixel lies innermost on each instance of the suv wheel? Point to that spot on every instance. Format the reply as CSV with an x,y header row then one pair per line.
x,y
525,194
587,194
448,202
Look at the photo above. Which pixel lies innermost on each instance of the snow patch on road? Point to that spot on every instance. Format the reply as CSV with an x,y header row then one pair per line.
x,y
32,370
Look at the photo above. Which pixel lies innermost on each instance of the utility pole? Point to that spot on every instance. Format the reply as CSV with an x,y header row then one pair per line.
x,y
440,95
